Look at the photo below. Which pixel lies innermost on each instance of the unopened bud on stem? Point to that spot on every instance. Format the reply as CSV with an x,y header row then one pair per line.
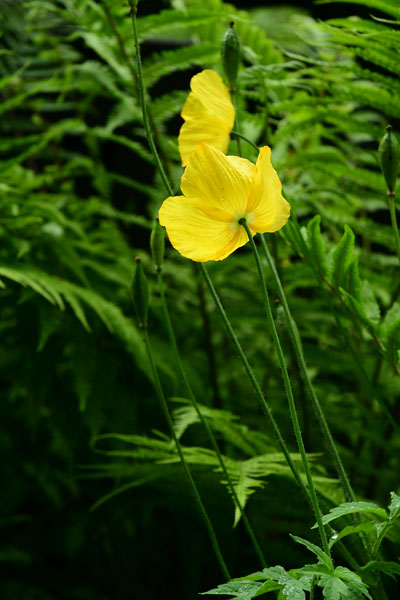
x,y
230,55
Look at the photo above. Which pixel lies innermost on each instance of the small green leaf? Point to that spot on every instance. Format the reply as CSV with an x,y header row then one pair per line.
x,y
342,257
316,244
394,507
242,590
322,556
389,568
348,508
333,588
368,527
353,279
354,582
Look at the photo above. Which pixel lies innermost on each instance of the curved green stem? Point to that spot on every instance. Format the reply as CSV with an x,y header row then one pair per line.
x,y
203,420
133,11
347,489
253,380
246,139
288,388
392,208
200,505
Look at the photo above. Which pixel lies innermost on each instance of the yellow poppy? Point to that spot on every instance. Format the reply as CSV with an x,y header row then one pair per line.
x,y
219,190
208,114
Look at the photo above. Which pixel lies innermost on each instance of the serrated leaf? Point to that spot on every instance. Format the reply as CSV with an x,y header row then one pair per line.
x,y
316,244
354,581
341,257
322,556
353,281
367,527
369,302
242,590
348,508
394,507
333,588
388,567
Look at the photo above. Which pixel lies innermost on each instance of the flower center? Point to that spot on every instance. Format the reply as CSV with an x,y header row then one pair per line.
x,y
242,214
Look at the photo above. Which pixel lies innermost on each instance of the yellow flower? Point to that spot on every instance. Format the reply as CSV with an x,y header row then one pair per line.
x,y
208,113
219,190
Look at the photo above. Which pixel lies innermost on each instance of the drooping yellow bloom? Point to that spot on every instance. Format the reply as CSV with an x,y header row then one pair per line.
x,y
208,113
219,190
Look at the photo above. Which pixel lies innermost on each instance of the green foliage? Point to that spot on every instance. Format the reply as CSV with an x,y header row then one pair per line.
x,y
78,196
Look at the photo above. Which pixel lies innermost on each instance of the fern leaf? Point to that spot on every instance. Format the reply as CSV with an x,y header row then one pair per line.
x,y
341,257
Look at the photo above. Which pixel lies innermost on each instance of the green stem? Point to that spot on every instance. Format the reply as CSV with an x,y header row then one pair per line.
x,y
392,208
253,380
294,335
133,11
289,393
201,507
236,125
246,139
203,420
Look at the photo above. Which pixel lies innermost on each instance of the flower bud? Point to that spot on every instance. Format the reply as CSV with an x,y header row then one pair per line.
x,y
389,157
230,55
157,244
140,293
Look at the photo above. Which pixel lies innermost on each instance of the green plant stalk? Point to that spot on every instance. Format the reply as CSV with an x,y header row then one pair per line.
x,y
208,280
236,124
347,489
236,344
237,134
328,299
253,380
133,11
392,208
200,505
289,393
203,420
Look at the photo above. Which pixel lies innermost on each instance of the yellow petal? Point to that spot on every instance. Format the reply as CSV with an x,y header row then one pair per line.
x,y
266,203
206,129
208,113
215,179
213,94
243,165
199,234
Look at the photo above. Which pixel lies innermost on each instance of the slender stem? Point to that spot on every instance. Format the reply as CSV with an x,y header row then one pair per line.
x,y
294,335
253,380
203,420
289,393
236,125
201,507
392,208
133,11
246,139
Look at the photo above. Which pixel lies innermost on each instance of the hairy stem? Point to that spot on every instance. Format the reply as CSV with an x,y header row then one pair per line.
x,y
253,380
133,11
293,331
203,419
200,505
288,388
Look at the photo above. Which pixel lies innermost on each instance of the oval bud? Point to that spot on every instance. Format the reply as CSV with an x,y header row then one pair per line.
x,y
230,55
157,243
140,293
389,158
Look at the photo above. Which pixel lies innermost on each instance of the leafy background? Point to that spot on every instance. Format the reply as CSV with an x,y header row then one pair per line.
x,y
87,513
